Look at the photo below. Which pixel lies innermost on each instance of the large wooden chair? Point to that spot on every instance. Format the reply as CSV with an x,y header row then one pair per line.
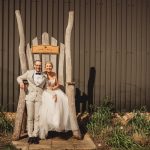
x,y
57,58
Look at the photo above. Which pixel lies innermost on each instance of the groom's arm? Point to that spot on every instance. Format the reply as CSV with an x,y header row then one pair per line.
x,y
21,78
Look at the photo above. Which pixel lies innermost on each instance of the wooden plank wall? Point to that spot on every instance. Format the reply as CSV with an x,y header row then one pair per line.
x,y
110,41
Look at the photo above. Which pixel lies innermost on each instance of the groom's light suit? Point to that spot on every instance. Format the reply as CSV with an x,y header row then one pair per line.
x,y
33,99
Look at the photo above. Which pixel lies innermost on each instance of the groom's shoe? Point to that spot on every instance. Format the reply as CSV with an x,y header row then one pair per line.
x,y
36,140
30,140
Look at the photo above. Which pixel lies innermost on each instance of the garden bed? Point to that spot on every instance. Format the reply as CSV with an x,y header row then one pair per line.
x,y
119,131
109,130
6,129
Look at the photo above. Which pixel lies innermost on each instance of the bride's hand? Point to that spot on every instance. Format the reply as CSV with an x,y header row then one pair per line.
x,y
50,88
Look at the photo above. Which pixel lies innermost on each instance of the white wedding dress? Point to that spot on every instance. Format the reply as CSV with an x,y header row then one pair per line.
x,y
54,112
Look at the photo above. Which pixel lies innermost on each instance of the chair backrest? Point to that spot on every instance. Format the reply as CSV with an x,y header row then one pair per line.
x,y
57,60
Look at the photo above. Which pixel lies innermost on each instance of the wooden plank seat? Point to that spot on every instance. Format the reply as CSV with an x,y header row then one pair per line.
x,y
59,55
56,58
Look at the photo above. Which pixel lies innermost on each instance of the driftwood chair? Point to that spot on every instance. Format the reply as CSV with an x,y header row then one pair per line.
x,y
26,61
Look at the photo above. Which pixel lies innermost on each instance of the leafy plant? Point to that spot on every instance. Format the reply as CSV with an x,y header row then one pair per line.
x,y
119,139
134,135
8,147
140,123
5,124
101,118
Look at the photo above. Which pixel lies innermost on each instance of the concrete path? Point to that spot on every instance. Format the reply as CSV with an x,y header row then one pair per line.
x,y
57,143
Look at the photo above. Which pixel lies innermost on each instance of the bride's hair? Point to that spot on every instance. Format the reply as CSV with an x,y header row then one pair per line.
x,y
48,62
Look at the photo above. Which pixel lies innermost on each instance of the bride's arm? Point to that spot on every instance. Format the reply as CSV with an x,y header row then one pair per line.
x,y
56,84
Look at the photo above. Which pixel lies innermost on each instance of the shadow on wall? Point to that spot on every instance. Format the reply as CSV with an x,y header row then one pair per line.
x,y
82,100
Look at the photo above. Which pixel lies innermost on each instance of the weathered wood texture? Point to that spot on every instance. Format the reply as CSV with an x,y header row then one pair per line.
x,y
61,64
45,49
70,88
29,57
57,143
45,57
35,43
19,116
112,36
23,62
22,55
53,57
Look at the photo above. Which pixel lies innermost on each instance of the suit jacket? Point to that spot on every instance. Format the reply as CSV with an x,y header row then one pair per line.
x,y
34,92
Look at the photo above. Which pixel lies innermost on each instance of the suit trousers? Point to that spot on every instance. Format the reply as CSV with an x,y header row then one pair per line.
x,y
33,117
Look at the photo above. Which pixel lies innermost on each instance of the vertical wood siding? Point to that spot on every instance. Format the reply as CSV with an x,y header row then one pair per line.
x,y
110,36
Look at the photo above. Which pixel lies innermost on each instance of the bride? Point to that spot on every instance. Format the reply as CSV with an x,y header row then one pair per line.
x,y
54,109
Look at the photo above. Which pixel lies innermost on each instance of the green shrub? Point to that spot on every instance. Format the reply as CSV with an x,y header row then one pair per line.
x,y
5,124
120,139
8,147
134,135
140,123
101,118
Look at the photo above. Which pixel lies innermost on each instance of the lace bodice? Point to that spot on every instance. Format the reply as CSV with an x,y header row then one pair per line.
x,y
51,82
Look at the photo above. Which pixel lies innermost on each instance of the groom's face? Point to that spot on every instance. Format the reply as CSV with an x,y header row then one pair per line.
x,y
37,66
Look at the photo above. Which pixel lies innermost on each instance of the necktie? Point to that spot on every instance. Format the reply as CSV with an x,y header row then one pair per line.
x,y
38,73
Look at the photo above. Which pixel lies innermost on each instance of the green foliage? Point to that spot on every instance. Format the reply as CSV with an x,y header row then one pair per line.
x,y
120,139
9,147
100,118
117,135
5,124
140,123
135,148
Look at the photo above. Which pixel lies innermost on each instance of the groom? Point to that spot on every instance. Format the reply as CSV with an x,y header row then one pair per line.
x,y
36,82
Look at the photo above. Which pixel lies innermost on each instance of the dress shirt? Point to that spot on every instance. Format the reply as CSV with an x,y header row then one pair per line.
x,y
38,78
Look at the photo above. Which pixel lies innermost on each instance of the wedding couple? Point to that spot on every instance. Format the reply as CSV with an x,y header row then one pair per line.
x,y
47,105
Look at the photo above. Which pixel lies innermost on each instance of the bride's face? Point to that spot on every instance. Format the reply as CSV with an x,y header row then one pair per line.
x,y
48,67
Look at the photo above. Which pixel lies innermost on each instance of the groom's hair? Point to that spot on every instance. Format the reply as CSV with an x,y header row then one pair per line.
x,y
37,61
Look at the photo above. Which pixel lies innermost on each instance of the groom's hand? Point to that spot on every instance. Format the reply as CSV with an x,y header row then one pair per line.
x,y
22,85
